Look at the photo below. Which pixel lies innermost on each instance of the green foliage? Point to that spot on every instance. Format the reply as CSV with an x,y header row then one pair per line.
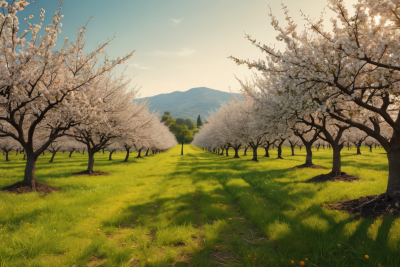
x,y
190,124
168,120
199,122
182,132
167,113
182,128
180,121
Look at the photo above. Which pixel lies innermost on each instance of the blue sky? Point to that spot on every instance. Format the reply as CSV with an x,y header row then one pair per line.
x,y
180,44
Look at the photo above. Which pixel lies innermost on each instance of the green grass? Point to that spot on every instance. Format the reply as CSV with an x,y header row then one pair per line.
x,y
199,209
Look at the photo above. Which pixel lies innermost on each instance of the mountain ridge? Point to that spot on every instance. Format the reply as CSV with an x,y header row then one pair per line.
x,y
189,104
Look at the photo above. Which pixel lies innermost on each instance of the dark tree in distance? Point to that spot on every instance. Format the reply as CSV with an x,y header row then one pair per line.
x,y
199,122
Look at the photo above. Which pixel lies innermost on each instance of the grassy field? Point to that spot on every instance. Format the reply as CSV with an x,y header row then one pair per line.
x,y
199,209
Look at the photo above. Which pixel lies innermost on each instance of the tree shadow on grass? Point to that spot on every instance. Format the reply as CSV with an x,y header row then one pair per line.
x,y
308,240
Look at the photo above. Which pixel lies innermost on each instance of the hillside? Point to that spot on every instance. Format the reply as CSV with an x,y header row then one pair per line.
x,y
191,103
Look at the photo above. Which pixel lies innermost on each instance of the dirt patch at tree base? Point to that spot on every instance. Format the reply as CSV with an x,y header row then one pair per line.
x,y
94,173
308,166
344,177
21,187
368,207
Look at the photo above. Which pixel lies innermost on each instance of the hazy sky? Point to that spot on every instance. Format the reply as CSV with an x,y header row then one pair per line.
x,y
180,44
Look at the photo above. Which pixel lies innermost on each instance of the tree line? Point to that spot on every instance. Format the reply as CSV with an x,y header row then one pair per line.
x,y
52,99
333,85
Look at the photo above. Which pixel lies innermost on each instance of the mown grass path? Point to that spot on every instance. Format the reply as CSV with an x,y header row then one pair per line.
x,y
199,209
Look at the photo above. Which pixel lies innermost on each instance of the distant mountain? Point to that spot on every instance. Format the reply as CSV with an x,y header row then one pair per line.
x,y
191,103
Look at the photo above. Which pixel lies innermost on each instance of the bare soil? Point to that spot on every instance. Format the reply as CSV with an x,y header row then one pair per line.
x,y
21,188
344,177
368,207
308,166
94,173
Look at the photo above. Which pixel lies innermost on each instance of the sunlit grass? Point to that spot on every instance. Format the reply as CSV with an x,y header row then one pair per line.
x,y
199,209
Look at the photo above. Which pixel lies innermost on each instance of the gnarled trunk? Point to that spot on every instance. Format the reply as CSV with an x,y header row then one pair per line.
x,y
6,152
110,156
393,187
127,155
236,152
140,151
147,152
358,149
255,154
309,154
245,151
91,161
280,152
266,151
292,147
227,151
222,151
30,168
70,153
52,156
337,162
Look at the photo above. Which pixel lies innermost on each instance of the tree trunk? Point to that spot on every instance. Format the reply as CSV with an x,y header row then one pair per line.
x,y
7,156
292,147
358,149
370,148
103,150
24,156
309,154
147,152
52,157
266,151
30,168
140,151
16,153
280,152
91,161
222,151
182,146
255,154
110,156
227,149
236,152
393,187
127,155
337,163
70,153
245,151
